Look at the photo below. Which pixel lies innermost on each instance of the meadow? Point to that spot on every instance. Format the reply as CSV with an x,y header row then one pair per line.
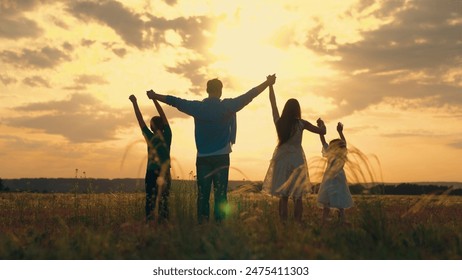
x,y
111,226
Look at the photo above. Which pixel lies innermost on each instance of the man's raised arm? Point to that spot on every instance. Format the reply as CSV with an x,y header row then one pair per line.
x,y
189,107
241,101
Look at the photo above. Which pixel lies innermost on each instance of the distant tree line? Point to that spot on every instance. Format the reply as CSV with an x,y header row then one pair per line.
x,y
130,185
3,188
73,185
405,189
399,189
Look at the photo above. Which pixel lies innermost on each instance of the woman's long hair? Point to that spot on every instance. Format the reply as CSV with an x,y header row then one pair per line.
x,y
290,116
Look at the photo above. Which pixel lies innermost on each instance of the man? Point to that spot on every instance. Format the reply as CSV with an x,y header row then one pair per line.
x,y
215,132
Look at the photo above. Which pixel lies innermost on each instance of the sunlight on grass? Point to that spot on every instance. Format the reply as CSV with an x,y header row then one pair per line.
x,y
111,226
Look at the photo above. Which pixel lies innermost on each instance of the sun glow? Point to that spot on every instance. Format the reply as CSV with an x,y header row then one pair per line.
x,y
243,46
253,42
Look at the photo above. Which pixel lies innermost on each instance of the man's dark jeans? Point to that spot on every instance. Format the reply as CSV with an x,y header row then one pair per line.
x,y
212,169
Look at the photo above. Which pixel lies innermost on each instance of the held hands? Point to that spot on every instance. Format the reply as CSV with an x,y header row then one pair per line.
x,y
271,79
151,94
321,125
320,122
132,98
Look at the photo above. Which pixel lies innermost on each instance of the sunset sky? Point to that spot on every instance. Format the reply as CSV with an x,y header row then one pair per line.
x,y
390,71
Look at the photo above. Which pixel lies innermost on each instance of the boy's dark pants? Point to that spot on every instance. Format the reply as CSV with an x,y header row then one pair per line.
x,y
212,169
152,193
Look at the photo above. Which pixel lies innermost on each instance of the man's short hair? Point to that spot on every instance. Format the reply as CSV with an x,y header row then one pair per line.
x,y
214,86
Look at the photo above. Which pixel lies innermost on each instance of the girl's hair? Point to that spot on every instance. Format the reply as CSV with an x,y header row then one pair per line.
x,y
337,148
337,143
285,126
158,123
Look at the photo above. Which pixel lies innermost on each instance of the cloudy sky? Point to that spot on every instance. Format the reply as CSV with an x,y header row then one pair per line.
x,y
389,70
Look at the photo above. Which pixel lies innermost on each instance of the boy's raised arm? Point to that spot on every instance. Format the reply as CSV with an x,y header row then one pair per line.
x,y
160,111
138,114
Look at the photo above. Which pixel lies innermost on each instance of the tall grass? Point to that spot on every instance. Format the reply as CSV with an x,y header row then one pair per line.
x,y
111,226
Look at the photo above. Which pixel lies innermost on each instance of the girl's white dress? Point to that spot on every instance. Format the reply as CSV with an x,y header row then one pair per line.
x,y
287,175
334,191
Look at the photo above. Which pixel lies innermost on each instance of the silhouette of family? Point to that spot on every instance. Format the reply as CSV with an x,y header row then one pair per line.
x,y
215,133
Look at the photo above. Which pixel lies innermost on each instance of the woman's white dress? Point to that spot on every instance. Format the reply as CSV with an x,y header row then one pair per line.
x,y
287,175
334,191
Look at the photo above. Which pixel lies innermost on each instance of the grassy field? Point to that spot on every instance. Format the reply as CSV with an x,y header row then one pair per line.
x,y
111,226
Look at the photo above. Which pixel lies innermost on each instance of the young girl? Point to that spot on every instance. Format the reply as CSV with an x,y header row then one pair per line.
x,y
158,179
334,191
287,174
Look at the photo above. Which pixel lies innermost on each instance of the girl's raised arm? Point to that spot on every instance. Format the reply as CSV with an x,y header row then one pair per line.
x,y
340,131
274,106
